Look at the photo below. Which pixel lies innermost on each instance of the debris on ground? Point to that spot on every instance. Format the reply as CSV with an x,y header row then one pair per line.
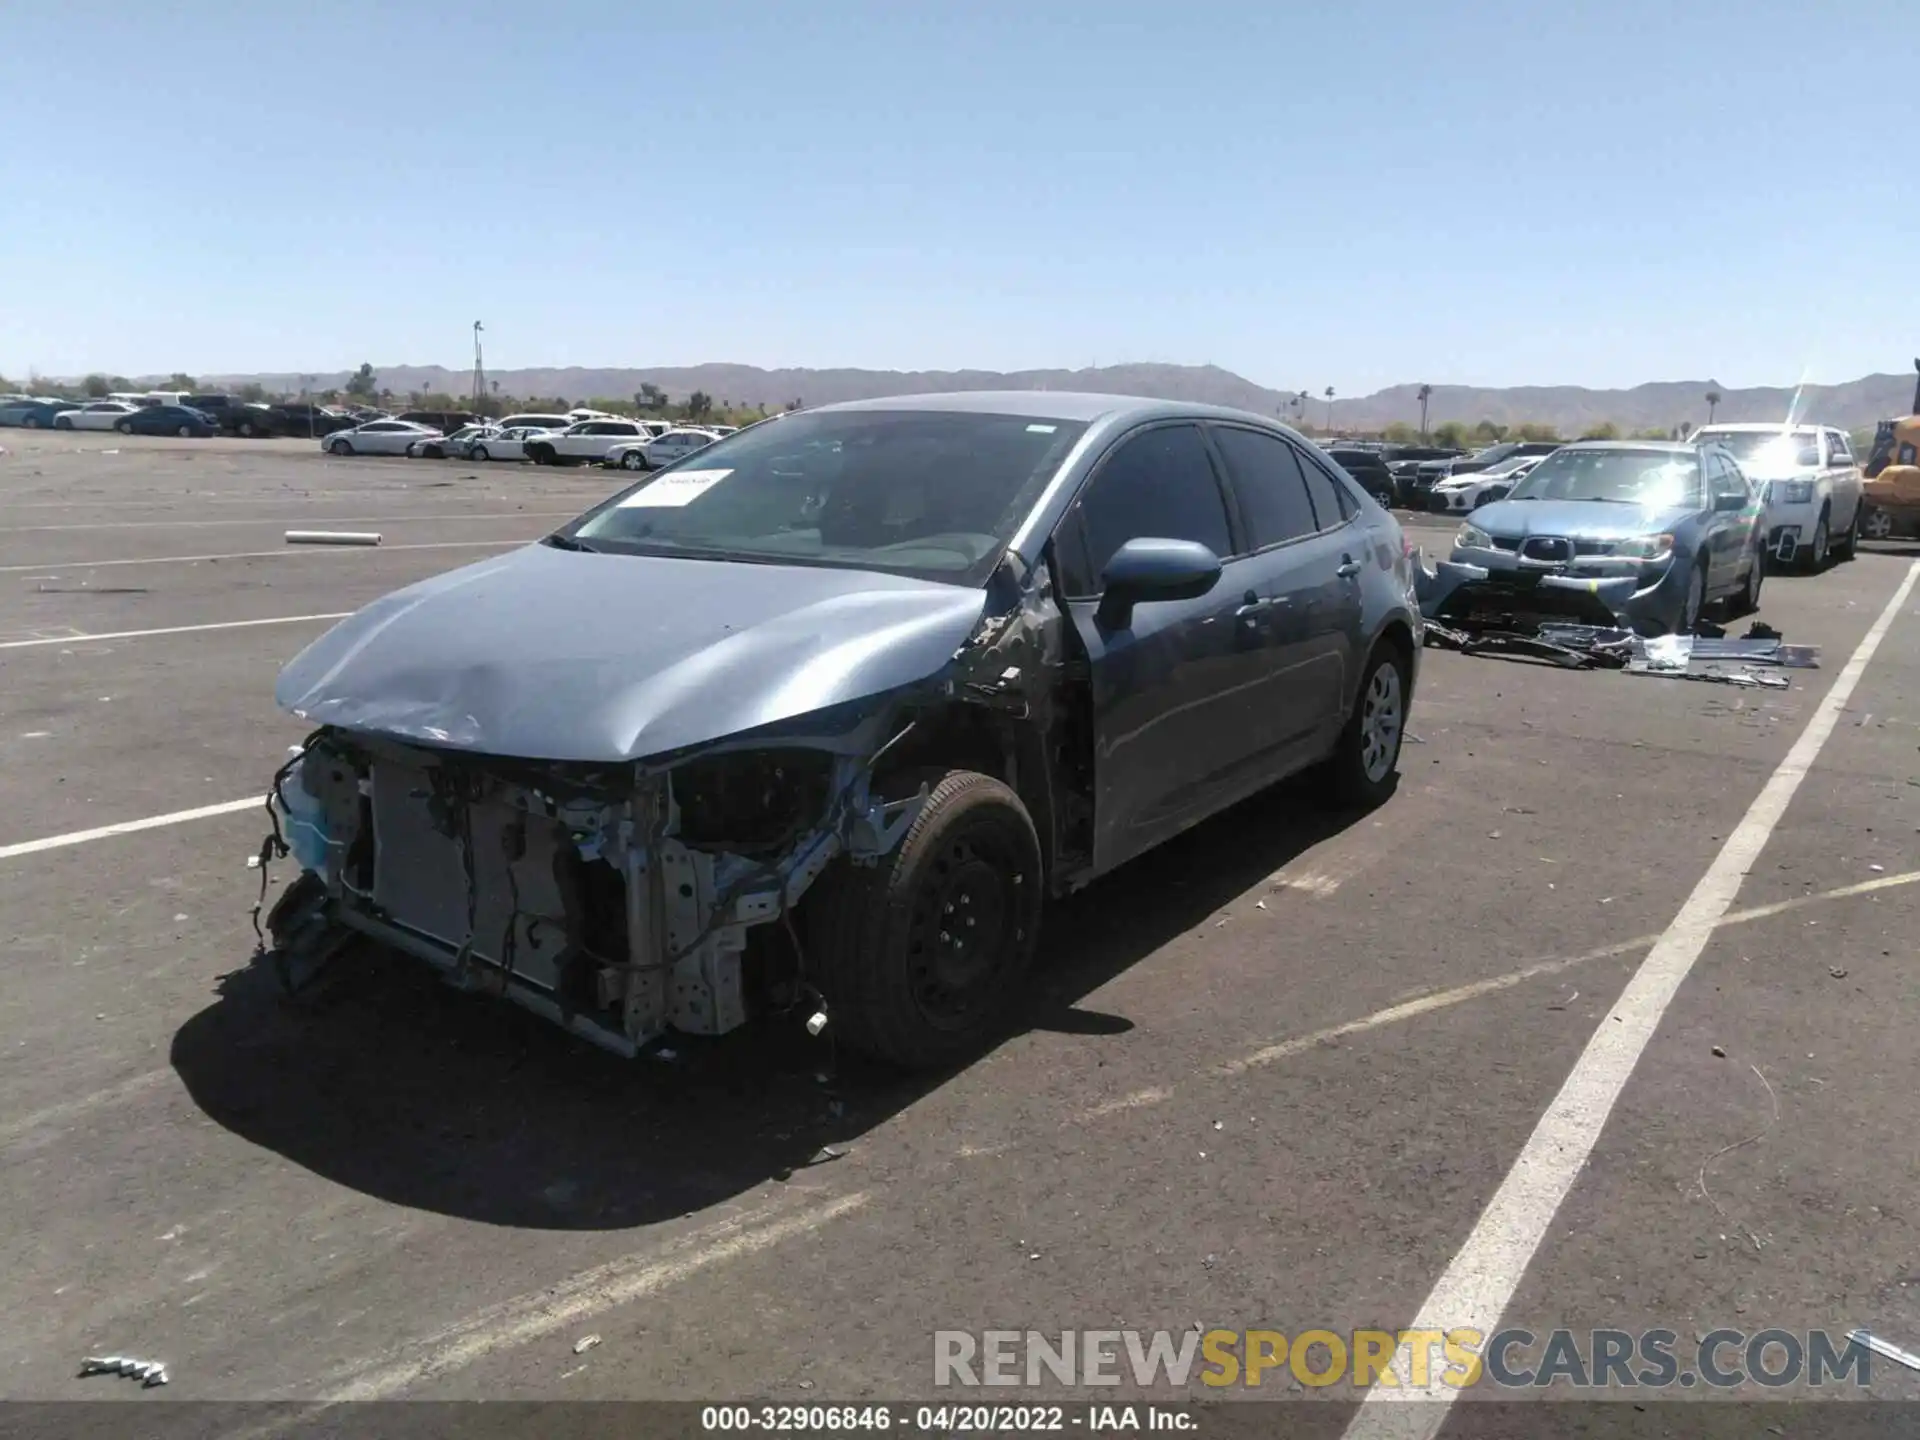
x,y
1739,1145
585,1343
148,1372
1709,655
1838,972
330,537
1719,1054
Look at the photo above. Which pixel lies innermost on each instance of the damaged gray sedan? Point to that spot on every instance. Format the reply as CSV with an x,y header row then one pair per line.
x,y
814,720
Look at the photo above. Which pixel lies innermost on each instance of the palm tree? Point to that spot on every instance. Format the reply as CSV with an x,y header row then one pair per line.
x,y
1329,407
1300,406
1713,402
1426,393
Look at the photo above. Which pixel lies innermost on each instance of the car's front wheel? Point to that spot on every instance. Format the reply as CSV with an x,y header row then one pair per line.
x,y
633,460
1748,600
921,953
125,427
1813,556
479,452
1362,769
62,423
340,447
1879,523
32,422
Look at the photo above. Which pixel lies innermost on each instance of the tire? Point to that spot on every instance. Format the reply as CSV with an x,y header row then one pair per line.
x,y
539,454
246,429
479,452
60,422
32,422
340,447
1693,604
1813,558
185,432
887,937
125,427
1748,599
633,460
1362,770
1848,545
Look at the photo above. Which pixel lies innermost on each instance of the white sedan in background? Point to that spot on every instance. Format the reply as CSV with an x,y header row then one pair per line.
x,y
99,415
508,444
661,450
1461,494
377,437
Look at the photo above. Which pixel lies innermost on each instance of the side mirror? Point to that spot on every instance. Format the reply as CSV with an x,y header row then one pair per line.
x,y
1152,569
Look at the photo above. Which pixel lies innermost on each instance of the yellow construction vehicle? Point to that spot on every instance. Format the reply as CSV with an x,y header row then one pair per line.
x,y
1891,495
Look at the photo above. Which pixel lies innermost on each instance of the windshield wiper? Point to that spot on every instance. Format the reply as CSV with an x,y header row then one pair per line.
x,y
567,542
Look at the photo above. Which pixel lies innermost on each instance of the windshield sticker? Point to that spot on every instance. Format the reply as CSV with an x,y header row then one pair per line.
x,y
674,489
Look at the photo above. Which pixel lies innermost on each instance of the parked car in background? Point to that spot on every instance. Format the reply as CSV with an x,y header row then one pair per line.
x,y
377,437
586,443
456,445
1647,531
1811,482
809,664
95,415
168,420
310,420
508,443
34,414
533,421
1404,462
1430,472
676,444
1368,467
445,421
249,419
1460,494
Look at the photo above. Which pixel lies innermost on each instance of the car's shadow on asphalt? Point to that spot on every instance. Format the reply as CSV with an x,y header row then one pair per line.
x,y
394,1085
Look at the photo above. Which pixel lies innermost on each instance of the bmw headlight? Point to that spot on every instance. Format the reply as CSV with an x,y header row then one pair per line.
x,y
1471,537
1644,547
1792,492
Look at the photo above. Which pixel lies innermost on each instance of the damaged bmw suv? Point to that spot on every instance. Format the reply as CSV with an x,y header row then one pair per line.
x,y
814,720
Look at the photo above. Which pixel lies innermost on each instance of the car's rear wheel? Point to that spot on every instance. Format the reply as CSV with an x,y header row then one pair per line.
x,y
340,447
185,432
125,427
1814,555
920,954
246,428
479,452
62,423
32,422
633,460
1362,769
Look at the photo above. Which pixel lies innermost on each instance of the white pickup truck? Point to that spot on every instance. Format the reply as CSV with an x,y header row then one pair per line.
x,y
1811,482
586,443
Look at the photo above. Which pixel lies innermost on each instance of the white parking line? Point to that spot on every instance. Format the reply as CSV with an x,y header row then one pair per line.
x,y
132,827
1476,1288
54,567
271,521
170,630
592,1292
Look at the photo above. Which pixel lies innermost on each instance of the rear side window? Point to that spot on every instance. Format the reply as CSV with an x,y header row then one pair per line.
x,y
1332,505
1157,485
1271,485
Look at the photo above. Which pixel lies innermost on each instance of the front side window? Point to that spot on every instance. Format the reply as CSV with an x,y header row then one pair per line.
x,y
929,493
1158,485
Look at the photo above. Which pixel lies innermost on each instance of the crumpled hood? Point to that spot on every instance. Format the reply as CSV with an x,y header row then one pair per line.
x,y
1575,519
547,654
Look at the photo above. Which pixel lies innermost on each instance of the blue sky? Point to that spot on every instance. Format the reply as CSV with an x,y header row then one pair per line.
x,y
1354,195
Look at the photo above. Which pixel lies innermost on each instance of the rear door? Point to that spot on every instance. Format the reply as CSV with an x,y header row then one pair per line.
x,y
1726,529
1844,478
1308,557
1185,706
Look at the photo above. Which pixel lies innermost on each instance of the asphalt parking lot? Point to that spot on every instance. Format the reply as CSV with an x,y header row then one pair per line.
x,y
1278,1072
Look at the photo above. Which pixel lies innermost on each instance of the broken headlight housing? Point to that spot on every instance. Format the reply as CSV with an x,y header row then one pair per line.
x,y
1644,547
1791,492
1472,537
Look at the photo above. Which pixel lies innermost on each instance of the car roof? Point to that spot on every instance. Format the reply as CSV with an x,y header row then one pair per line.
x,y
1750,427
1044,405
1673,447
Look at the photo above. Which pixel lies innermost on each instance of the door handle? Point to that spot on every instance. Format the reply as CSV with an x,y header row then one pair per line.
x,y
1349,568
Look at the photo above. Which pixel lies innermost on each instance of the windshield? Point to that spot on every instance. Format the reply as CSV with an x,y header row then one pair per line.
x,y
1766,451
1662,479
934,494
1496,452
1507,466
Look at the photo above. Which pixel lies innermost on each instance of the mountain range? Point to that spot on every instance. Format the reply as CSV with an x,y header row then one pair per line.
x,y
1571,408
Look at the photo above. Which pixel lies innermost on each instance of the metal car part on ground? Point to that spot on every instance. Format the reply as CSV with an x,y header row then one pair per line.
x,y
814,721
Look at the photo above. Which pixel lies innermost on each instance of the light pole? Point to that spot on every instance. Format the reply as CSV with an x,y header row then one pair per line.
x,y
479,369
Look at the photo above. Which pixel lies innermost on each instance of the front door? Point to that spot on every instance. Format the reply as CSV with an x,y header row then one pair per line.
x,y
1185,716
